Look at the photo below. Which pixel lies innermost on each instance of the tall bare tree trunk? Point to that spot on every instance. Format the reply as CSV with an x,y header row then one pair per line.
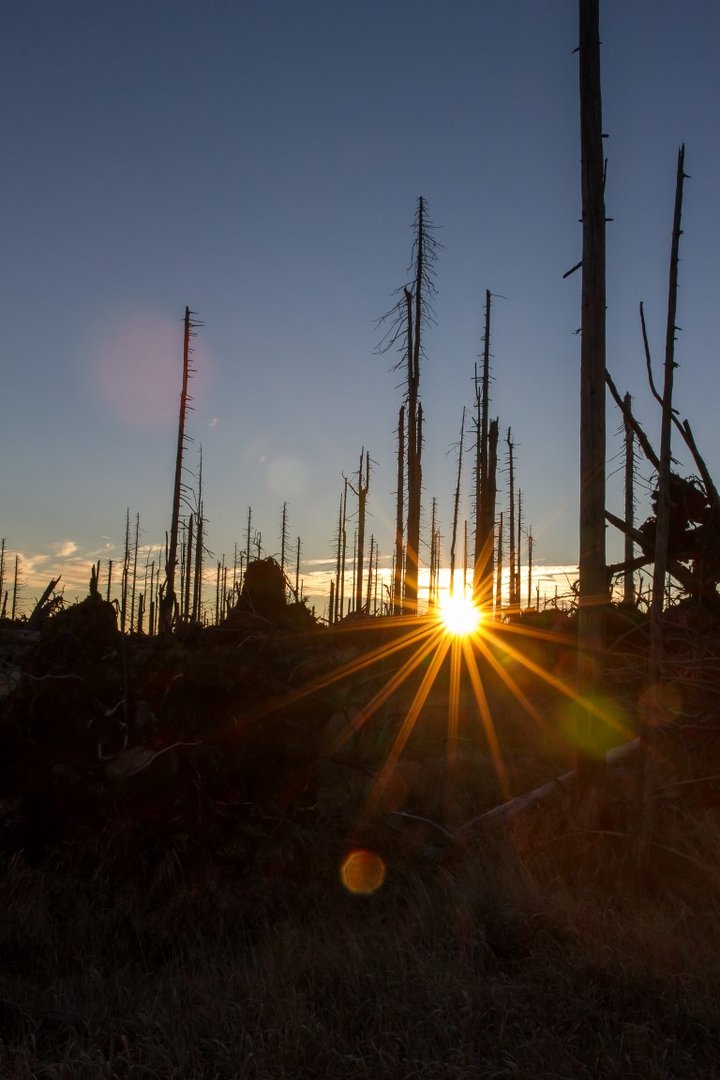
x,y
530,568
484,514
518,569
169,599
334,612
361,492
344,552
456,506
499,569
434,556
511,523
493,438
134,572
16,585
592,564
125,574
283,536
629,554
397,603
653,713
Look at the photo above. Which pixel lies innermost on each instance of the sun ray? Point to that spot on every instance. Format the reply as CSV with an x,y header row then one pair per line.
x,y
486,718
385,692
454,699
352,667
557,684
409,721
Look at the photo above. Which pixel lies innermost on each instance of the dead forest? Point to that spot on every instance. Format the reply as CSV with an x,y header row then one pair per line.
x,y
241,837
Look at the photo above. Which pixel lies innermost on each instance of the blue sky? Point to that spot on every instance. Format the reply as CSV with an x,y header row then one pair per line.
x,y
261,163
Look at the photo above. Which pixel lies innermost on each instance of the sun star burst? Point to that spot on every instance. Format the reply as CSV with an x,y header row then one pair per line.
x,y
460,616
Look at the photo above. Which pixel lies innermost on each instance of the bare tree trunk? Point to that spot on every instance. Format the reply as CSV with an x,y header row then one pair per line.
x,y
629,575
125,573
199,541
434,556
484,516
592,568
361,492
530,568
371,567
491,506
397,604
498,582
335,599
511,524
456,507
653,713
248,549
283,536
518,570
297,571
13,610
465,557
134,572
169,600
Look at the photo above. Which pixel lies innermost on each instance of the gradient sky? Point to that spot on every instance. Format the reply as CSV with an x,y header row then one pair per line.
x,y
261,162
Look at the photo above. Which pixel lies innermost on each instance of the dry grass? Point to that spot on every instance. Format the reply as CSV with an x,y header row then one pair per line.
x,y
468,962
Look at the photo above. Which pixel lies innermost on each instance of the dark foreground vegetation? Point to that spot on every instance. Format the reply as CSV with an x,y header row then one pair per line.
x,y
174,818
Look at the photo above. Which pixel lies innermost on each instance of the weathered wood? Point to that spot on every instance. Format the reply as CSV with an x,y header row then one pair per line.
x,y
39,610
593,585
652,713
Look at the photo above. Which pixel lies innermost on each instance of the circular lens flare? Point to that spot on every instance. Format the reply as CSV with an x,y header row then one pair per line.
x,y
362,872
459,615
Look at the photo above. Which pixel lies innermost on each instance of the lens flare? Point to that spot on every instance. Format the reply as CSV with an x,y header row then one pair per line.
x,y
362,872
459,615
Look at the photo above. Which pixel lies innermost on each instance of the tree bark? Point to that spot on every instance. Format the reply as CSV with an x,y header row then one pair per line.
x,y
592,567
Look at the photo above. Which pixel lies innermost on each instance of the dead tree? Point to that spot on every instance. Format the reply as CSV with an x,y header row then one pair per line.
x,y
628,575
283,536
518,568
334,611
125,573
188,567
297,571
456,506
653,714
361,492
484,496
408,320
530,568
493,438
168,604
498,582
16,588
397,601
434,556
371,570
248,538
136,545
511,522
592,562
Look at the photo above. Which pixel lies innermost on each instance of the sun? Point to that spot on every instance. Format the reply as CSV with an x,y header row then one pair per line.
x,y
459,615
